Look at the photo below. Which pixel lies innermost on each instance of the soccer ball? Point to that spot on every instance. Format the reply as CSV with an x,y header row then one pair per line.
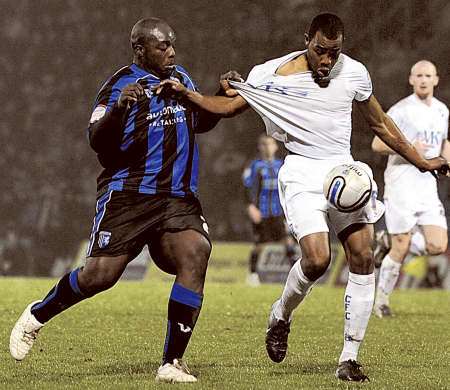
x,y
347,187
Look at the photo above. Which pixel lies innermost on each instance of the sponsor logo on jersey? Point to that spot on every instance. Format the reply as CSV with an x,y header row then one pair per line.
x,y
103,239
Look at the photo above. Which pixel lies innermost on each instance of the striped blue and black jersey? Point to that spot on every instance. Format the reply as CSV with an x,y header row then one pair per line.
x,y
158,153
261,181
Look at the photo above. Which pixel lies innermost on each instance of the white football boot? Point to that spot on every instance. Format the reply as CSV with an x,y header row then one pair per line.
x,y
176,372
24,333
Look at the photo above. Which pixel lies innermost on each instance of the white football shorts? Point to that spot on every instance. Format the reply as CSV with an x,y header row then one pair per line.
x,y
402,215
300,184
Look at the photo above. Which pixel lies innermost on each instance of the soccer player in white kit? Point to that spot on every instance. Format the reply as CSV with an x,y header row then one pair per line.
x,y
305,99
415,217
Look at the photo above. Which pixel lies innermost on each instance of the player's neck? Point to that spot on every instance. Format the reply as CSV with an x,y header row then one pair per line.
x,y
146,68
428,99
297,65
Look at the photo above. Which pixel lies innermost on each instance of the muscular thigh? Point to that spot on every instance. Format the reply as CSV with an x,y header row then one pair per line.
x,y
174,252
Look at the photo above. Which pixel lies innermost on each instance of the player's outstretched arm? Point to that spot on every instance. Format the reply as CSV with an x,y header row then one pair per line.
x,y
386,130
380,147
224,106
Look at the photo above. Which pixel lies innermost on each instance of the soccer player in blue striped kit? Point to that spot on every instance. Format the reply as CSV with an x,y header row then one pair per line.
x,y
264,209
146,195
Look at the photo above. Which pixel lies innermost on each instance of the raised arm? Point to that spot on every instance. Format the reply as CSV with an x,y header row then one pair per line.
x,y
224,106
386,130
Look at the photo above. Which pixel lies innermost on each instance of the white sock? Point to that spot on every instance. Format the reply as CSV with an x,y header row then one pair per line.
x,y
387,279
417,246
295,290
358,303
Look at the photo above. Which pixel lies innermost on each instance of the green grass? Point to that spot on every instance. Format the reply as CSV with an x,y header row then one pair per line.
x,y
114,340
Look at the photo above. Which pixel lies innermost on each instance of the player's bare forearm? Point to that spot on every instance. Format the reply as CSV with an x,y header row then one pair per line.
x,y
386,130
220,105
224,106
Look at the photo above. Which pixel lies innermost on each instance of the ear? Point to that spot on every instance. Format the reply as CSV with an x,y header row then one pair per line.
x,y
138,50
436,81
411,80
307,41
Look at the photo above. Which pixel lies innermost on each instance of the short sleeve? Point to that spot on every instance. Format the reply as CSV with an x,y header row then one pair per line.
x,y
108,95
363,84
396,115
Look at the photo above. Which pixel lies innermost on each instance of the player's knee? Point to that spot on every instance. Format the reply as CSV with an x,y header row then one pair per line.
x,y
361,262
194,261
435,248
93,281
315,263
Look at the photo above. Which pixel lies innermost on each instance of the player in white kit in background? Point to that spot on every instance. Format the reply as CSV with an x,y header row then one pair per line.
x,y
415,217
305,99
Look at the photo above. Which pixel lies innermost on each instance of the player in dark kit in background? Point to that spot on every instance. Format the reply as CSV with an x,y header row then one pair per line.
x,y
146,195
264,208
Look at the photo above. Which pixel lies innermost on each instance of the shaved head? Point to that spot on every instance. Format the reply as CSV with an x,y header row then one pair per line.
x,y
152,40
418,66
151,28
424,79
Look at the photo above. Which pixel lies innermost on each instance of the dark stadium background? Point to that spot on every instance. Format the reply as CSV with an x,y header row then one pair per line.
x,y
55,55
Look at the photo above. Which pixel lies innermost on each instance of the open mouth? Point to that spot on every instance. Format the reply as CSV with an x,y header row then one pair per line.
x,y
321,72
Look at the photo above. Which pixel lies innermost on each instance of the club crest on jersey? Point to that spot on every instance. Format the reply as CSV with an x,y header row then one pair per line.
x,y
148,93
103,239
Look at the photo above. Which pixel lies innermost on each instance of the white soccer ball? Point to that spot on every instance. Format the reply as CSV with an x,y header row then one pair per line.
x,y
347,187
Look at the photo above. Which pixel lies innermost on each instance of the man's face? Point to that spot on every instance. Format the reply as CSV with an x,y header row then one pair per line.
x,y
158,51
423,79
267,147
322,54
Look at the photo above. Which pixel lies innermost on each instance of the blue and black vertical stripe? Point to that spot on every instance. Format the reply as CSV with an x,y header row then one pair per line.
x,y
158,148
262,186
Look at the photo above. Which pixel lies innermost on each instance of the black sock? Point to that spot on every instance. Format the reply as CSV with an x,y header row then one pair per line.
x,y
184,308
253,261
65,294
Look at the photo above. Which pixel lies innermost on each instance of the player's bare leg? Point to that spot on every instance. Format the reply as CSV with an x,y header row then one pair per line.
x,y
358,298
389,272
186,254
436,239
98,274
302,276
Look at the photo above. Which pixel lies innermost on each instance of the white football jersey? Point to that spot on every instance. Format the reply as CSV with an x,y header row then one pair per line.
x,y
312,121
418,122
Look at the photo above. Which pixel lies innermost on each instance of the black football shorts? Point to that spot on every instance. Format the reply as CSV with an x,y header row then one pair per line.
x,y
126,221
270,229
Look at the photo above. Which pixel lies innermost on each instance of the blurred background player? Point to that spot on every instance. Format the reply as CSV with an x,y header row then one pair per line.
x,y
415,216
264,208
147,194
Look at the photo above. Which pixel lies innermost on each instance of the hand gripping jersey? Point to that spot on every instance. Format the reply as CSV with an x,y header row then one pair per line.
x,y
312,121
418,122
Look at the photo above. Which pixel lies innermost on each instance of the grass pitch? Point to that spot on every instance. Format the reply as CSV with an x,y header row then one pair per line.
x,y
114,340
